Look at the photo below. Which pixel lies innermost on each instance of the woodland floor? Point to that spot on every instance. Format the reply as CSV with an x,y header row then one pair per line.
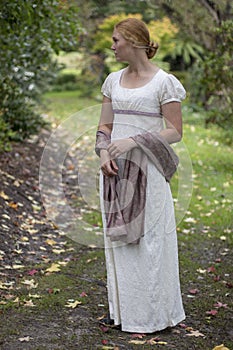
x,y
53,290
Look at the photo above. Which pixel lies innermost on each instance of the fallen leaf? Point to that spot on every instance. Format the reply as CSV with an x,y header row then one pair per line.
x,y
219,304
9,296
220,347
104,341
83,294
137,342
4,195
138,335
3,286
212,312
16,300
53,268
104,328
50,242
195,334
73,304
211,269
183,325
29,303
193,291
17,266
35,296
58,251
13,205
32,272
156,341
27,339
30,283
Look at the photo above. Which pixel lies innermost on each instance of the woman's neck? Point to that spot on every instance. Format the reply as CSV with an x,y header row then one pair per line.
x,y
138,68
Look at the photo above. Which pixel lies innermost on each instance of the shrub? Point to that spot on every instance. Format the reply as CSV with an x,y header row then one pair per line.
x,y
30,32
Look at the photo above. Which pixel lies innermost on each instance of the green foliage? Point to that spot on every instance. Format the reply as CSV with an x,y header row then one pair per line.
x,y
65,82
187,50
214,79
5,135
29,33
208,25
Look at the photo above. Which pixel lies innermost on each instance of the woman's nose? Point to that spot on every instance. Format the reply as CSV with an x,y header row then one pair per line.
x,y
113,47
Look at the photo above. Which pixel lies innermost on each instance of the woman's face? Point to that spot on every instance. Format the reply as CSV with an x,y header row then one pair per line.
x,y
122,48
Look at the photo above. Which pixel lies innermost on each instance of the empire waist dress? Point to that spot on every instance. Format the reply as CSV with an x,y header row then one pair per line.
x,y
143,279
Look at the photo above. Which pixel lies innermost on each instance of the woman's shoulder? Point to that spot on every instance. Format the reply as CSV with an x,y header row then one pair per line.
x,y
110,82
167,77
170,87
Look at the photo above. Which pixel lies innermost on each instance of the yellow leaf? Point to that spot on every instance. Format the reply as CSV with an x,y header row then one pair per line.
x,y
32,231
35,296
5,216
13,205
137,342
73,304
195,334
25,339
58,251
16,266
50,241
4,195
18,251
2,286
29,303
30,283
17,183
220,347
53,268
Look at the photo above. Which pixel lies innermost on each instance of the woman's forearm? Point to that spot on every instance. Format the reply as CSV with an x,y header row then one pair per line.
x,y
171,135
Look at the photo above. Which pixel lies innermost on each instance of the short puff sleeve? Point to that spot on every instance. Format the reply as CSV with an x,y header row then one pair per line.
x,y
172,90
106,88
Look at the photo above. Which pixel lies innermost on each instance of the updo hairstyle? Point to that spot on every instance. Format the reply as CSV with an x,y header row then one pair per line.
x,y
135,31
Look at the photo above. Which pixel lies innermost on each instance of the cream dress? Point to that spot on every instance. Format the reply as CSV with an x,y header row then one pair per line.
x,y
143,280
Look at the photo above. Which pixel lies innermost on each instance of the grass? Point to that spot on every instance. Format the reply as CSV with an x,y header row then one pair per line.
x,y
205,240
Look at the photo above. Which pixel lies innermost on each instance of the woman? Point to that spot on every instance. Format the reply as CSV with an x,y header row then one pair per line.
x,y
140,117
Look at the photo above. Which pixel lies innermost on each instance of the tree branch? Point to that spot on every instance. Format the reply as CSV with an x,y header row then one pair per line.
x,y
210,6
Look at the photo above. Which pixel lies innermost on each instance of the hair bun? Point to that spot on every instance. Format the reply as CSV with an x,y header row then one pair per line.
x,y
152,44
152,49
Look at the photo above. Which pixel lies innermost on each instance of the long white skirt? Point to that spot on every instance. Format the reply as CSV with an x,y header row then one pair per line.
x,y
143,280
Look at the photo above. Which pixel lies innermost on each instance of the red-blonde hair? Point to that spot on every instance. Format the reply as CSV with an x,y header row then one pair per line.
x,y
136,31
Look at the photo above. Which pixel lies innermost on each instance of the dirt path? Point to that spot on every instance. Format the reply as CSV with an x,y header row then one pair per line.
x,y
53,289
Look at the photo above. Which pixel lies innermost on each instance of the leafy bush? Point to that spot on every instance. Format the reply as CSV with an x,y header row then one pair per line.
x,y
65,81
212,79
5,135
30,32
